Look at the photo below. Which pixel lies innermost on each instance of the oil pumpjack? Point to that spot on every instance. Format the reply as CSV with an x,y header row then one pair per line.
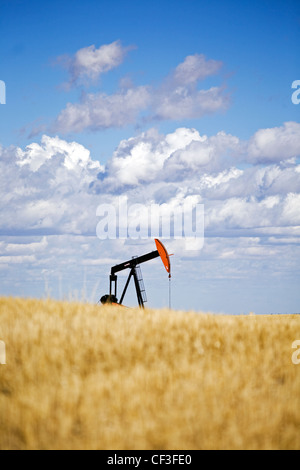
x,y
136,274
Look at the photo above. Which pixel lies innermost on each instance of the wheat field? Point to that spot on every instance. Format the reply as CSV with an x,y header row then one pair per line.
x,y
80,376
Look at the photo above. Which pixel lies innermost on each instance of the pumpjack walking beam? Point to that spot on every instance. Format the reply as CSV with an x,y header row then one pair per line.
x,y
134,262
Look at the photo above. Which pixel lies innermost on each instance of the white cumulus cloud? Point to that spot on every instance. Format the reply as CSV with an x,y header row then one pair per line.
x,y
98,111
275,144
89,63
194,68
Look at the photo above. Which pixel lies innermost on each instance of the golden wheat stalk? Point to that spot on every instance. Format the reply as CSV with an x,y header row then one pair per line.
x,y
79,376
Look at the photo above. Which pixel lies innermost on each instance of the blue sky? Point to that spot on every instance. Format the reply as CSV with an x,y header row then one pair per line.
x,y
256,41
220,70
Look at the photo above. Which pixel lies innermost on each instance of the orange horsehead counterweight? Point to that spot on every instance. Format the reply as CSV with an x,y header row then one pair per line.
x,y
165,257
136,274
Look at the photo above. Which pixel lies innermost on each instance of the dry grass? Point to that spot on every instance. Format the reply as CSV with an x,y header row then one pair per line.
x,y
87,377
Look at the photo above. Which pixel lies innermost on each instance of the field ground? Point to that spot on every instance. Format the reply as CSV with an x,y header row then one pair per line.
x,y
79,376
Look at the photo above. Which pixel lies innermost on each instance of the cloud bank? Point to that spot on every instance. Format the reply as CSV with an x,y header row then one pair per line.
x,y
177,97
50,192
47,185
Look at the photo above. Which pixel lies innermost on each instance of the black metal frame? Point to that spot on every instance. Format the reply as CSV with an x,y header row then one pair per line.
x,y
132,265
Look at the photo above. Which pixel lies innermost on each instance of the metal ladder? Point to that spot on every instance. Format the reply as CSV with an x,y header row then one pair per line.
x,y
141,282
